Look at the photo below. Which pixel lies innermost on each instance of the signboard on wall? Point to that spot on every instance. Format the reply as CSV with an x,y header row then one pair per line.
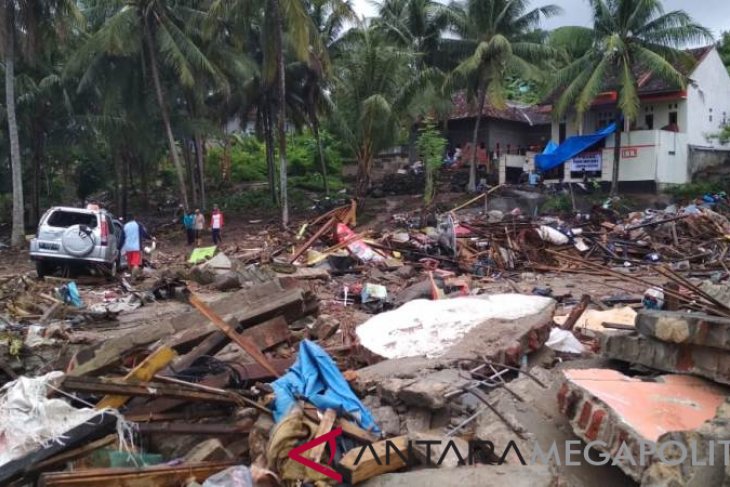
x,y
629,153
590,161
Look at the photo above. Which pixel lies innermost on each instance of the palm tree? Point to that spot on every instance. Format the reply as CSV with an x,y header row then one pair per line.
x,y
158,33
627,34
374,85
496,34
27,21
284,22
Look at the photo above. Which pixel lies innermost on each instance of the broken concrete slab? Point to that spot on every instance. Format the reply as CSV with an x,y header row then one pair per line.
x,y
457,327
712,363
220,262
473,476
682,327
227,281
388,420
619,412
431,390
704,466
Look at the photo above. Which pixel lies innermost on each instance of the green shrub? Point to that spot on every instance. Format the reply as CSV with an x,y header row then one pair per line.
x,y
248,161
696,190
560,203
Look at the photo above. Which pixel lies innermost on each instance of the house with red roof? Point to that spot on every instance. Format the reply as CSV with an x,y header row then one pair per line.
x,y
672,137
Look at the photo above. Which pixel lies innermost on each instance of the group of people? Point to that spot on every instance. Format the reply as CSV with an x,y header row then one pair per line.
x,y
456,156
194,223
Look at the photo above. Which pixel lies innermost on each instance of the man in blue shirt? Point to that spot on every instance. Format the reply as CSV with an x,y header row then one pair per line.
x,y
134,235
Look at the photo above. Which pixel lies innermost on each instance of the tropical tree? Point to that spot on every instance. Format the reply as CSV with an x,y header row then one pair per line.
x,y
374,85
26,27
158,34
627,34
723,47
497,37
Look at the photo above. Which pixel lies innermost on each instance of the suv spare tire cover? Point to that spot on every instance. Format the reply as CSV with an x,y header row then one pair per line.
x,y
78,240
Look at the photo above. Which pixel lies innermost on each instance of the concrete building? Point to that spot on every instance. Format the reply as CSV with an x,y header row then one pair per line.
x,y
670,140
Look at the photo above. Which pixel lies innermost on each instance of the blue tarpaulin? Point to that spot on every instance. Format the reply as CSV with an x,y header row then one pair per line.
x,y
555,155
316,378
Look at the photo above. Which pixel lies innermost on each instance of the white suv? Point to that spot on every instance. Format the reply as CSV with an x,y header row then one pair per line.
x,y
75,237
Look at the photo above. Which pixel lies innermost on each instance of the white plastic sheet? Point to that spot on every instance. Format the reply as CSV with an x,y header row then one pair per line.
x,y
29,420
564,341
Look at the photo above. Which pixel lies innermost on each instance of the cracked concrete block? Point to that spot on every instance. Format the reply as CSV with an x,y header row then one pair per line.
x,y
712,363
624,412
685,328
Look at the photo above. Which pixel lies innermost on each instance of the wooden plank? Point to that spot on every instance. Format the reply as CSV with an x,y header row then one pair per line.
x,y
143,372
150,389
325,425
368,466
163,404
212,429
77,452
157,475
289,302
244,342
318,234
269,333
349,428
252,371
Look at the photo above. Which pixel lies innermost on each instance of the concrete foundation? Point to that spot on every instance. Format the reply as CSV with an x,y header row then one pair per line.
x,y
712,363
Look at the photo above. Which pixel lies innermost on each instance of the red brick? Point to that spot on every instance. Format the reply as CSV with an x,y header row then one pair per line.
x,y
592,431
585,415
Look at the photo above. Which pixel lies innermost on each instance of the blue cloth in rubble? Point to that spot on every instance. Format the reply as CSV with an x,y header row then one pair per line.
x,y
316,378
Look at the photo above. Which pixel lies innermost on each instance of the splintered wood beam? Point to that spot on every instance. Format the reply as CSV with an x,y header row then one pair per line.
x,y
325,425
157,475
143,372
244,342
358,465
148,389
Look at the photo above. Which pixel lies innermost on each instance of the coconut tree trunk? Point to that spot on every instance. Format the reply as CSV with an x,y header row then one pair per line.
x,y
473,156
119,181
226,166
165,116
320,149
269,144
281,118
17,238
201,168
616,155
38,151
364,166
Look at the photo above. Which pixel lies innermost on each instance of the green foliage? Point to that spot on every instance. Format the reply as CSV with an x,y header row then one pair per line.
x,y
723,47
691,191
559,203
248,161
431,145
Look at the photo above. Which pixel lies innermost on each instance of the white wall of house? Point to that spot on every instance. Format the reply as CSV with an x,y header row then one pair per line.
x,y
709,99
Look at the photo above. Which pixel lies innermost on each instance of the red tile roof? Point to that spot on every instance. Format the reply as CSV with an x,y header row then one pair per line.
x,y
529,114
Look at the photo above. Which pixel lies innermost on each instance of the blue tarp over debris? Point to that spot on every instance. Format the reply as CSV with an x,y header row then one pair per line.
x,y
316,378
553,155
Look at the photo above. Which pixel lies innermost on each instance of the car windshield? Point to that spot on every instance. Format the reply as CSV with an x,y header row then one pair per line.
x,y
66,219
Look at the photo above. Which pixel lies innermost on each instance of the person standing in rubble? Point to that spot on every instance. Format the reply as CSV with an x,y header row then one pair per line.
x,y
199,227
188,220
134,234
216,225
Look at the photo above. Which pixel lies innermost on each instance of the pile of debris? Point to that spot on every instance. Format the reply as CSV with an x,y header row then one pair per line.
x,y
390,355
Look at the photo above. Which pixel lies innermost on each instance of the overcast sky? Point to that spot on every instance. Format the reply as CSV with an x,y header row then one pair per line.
x,y
714,14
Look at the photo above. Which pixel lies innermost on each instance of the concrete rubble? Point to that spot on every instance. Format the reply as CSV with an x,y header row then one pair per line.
x,y
425,332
